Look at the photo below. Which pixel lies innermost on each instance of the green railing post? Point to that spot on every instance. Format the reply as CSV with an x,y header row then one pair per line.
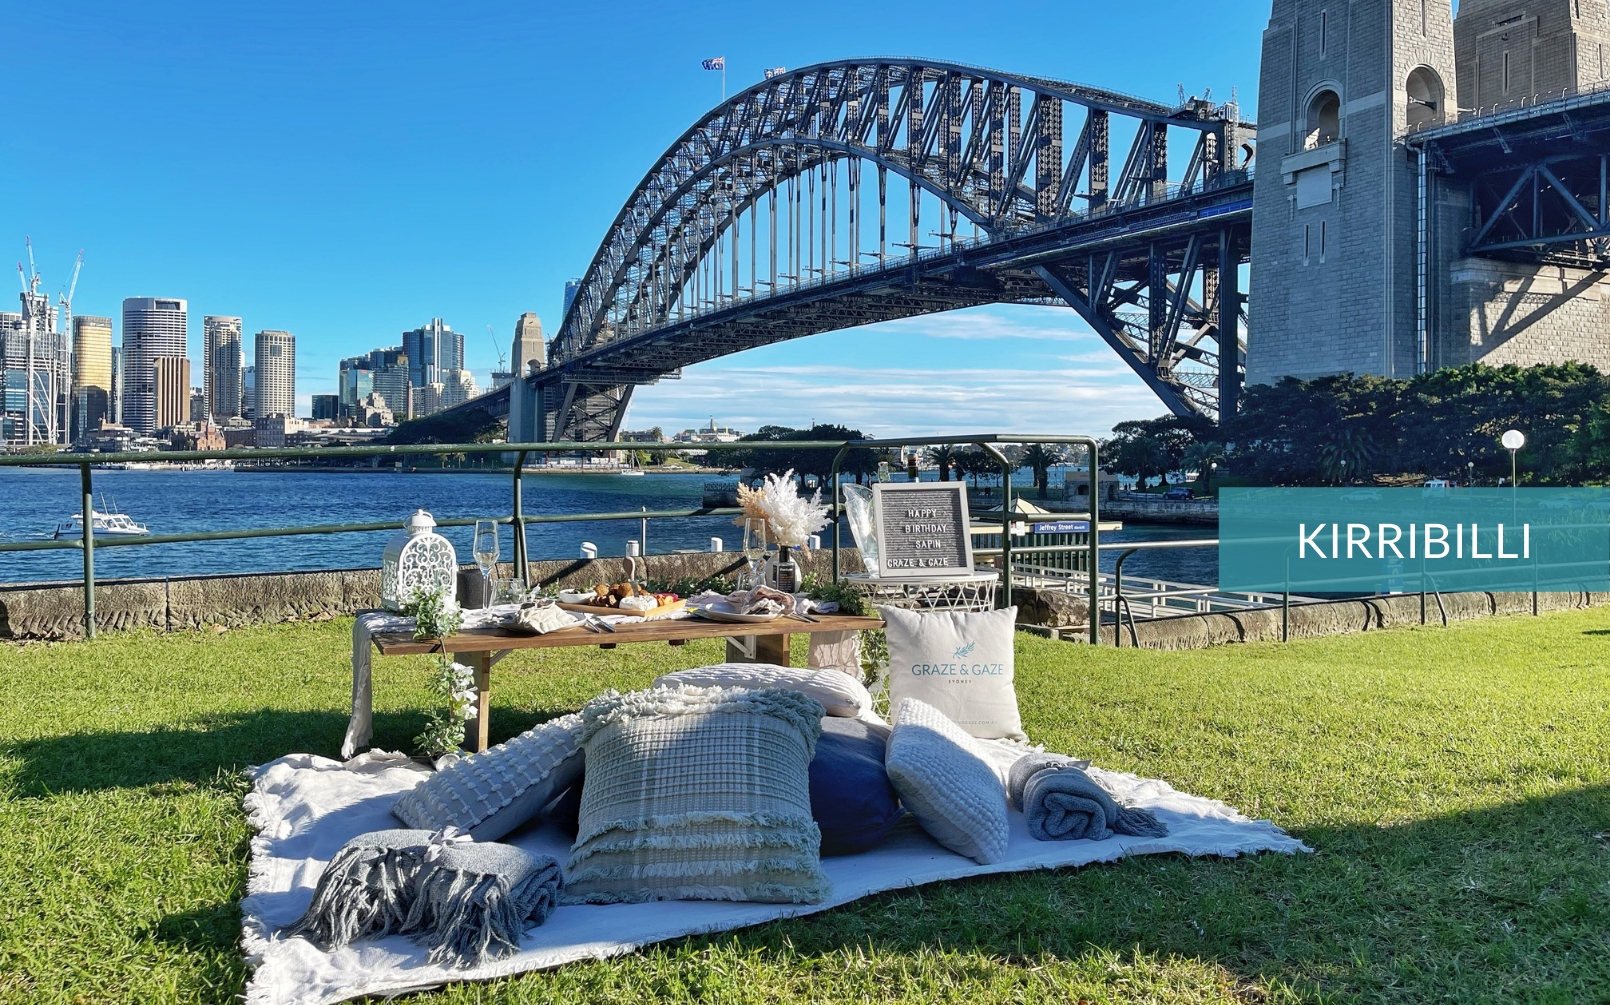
x,y
519,525
88,493
1095,550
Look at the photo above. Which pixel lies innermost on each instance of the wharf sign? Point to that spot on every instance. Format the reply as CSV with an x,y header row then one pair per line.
x,y
923,529
1436,538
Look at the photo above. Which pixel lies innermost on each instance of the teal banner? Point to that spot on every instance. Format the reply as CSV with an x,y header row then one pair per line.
x,y
1437,538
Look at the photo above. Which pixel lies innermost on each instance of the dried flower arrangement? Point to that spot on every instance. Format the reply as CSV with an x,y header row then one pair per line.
x,y
790,517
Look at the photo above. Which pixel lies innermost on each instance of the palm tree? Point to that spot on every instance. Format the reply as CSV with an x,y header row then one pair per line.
x,y
1202,456
1349,454
945,457
1040,458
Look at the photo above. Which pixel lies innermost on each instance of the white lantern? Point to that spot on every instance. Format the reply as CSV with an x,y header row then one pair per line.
x,y
417,559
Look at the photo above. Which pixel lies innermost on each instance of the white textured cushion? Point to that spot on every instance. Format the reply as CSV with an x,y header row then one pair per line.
x,y
945,783
960,662
493,792
839,693
698,794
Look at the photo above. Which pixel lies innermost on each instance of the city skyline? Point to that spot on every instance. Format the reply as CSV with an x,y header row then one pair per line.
x,y
339,183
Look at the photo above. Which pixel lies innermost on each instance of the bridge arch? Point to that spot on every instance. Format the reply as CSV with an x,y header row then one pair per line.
x,y
984,146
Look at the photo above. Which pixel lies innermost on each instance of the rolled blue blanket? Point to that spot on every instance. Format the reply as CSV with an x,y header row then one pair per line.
x,y
1063,803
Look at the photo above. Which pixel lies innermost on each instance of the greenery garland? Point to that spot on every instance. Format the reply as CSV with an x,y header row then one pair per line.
x,y
451,684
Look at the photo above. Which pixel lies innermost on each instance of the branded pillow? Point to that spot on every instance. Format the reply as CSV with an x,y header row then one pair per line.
x,y
851,798
945,783
491,793
959,662
839,693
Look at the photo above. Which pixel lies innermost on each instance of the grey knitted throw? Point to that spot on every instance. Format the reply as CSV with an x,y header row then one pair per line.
x,y
468,902
1061,802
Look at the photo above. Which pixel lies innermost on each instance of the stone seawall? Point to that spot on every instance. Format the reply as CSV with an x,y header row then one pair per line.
x,y
55,611
1335,617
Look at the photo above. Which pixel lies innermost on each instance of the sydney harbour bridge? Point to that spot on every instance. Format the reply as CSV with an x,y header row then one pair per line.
x,y
843,194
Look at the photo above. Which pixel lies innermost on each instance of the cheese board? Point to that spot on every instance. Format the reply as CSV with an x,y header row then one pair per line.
x,y
652,612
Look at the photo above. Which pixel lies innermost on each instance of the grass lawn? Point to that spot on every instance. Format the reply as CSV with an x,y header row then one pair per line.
x,y
1452,780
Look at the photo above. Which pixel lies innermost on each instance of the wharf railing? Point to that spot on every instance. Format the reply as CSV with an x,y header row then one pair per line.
x,y
989,443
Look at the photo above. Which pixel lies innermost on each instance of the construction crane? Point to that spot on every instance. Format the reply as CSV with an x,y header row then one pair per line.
x,y
497,347
67,300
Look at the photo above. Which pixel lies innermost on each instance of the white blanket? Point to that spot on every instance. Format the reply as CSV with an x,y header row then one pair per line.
x,y
306,807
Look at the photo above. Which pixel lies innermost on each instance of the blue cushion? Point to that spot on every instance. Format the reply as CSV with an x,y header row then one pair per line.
x,y
851,798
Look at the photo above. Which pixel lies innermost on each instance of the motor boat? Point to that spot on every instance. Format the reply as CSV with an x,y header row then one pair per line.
x,y
111,524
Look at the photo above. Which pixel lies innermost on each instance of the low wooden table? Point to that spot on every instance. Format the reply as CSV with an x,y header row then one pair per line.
x,y
761,642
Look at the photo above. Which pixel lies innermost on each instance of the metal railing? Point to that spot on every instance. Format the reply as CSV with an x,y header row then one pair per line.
x,y
990,443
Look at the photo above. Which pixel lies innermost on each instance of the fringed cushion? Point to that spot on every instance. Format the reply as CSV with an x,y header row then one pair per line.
x,y
945,783
698,794
491,793
839,693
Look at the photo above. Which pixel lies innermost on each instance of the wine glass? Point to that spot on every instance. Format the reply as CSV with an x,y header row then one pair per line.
x,y
754,550
486,555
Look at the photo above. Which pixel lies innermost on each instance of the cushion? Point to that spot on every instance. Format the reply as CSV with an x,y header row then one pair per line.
x,y
839,693
489,794
698,794
851,798
945,783
960,662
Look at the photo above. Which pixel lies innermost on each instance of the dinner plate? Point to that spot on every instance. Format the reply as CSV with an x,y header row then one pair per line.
x,y
724,611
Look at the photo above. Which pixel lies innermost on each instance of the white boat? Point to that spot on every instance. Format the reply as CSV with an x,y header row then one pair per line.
x,y
105,525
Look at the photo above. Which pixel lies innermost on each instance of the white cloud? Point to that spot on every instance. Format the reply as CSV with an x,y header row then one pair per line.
x,y
1022,321
898,400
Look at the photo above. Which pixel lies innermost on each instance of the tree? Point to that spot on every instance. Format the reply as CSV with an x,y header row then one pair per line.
x,y
1040,458
1202,456
945,457
1145,447
776,460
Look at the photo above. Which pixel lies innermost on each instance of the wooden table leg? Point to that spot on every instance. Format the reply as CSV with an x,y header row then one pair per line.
x,y
772,649
475,729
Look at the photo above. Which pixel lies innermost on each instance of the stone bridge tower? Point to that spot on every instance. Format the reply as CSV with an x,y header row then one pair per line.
x,y
1334,227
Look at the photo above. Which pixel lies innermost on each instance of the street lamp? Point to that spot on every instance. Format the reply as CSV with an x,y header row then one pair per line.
x,y
1470,473
1513,440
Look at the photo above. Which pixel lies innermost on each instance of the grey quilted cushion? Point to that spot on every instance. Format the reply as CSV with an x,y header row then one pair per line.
x,y
944,782
491,793
698,794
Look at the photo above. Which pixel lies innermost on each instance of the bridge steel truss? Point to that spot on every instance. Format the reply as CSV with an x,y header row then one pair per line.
x,y
1150,264
1537,179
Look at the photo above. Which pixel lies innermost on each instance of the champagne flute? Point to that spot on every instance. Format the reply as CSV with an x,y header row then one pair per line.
x,y
754,550
486,555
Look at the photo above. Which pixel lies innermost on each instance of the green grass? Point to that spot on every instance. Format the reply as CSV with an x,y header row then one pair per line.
x,y
1453,782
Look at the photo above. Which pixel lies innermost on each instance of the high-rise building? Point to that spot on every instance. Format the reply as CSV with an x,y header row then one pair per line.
x,y
170,383
432,348
571,288
115,406
354,382
153,327
35,372
92,374
221,365
327,406
389,376
275,361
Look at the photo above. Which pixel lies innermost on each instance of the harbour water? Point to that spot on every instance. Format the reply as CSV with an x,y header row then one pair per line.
x,y
34,500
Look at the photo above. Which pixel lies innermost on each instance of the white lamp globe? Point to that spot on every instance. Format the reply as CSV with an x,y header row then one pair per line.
x,y
417,559
1513,439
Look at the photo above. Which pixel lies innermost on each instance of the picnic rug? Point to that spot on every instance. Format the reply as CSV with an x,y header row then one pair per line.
x,y
306,807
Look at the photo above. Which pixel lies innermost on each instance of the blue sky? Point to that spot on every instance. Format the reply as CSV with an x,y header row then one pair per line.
x,y
347,171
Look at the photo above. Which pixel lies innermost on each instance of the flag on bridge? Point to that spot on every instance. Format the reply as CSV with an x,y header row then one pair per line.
x,y
719,63
776,71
